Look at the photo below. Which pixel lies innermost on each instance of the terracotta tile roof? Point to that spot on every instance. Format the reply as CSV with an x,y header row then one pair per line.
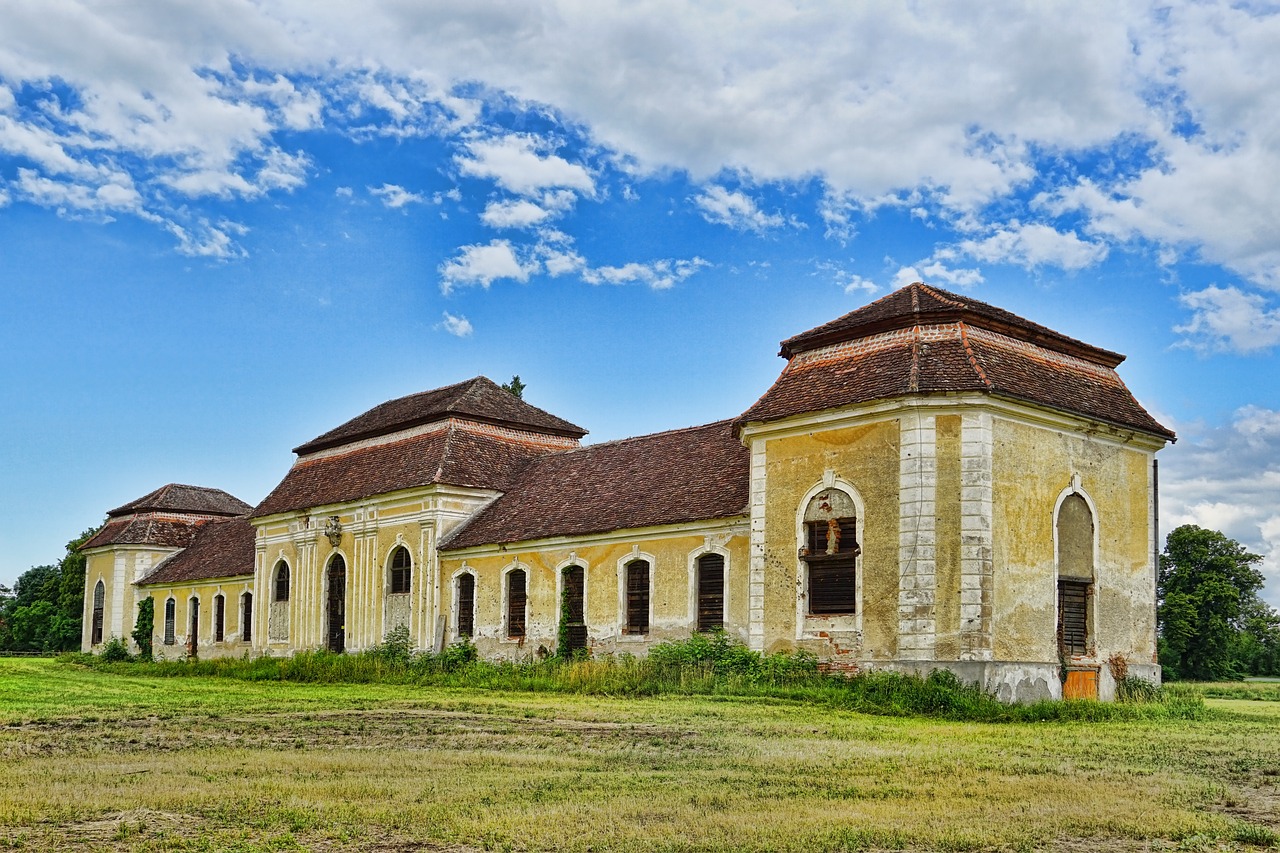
x,y
665,478
950,358
177,498
146,529
220,549
479,399
452,455
919,304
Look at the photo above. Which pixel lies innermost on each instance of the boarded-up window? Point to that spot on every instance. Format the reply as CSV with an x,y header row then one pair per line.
x,y
637,597
710,592
832,558
573,608
282,581
193,627
219,618
517,599
1075,575
1073,616
99,602
830,552
170,615
401,570
466,605
246,617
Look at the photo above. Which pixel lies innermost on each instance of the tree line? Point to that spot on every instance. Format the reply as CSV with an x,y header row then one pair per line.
x,y
44,610
1212,623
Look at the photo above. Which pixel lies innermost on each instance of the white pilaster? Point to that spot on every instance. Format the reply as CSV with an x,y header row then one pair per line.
x,y
755,571
917,537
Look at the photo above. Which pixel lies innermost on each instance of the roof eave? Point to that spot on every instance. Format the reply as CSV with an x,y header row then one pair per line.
x,y
1061,343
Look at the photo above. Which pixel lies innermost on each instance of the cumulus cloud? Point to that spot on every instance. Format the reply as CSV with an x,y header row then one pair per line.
x,y
395,196
1131,124
1226,319
482,265
519,164
457,326
735,209
1228,478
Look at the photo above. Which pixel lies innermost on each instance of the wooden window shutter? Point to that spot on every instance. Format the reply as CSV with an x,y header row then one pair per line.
x,y
637,597
517,602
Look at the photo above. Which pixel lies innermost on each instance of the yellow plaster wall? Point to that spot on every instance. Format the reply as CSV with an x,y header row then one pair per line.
x,y
868,458
116,567
1031,467
205,590
671,617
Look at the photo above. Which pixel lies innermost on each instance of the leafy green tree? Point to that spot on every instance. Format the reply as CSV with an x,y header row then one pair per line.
x,y
1208,603
44,611
515,386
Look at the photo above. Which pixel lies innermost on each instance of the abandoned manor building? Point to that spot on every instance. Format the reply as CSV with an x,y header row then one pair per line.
x,y
932,482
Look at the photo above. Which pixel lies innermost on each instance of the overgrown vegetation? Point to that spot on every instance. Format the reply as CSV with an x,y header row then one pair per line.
x,y
44,610
711,664
144,626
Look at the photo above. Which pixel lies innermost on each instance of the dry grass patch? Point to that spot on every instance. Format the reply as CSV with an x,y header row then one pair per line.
x,y
95,761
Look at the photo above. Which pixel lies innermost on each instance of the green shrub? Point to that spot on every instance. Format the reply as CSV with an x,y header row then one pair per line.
x,y
1132,688
114,650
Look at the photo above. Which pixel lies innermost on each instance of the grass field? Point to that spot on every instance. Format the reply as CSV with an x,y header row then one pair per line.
x,y
101,761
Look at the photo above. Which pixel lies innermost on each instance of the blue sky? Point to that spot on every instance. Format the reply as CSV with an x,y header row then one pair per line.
x,y
228,226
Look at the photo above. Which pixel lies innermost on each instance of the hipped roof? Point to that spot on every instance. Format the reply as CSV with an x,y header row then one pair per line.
x,y
220,549
478,399
670,477
452,455
178,498
921,340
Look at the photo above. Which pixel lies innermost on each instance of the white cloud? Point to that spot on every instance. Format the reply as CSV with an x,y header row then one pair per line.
x,y
735,209
659,275
1228,478
1031,245
457,326
518,213
516,162
344,192
395,196
1226,319
203,240
484,264
1147,124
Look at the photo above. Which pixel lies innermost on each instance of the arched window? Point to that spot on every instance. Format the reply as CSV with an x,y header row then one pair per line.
x,y
710,592
219,617
246,617
466,616
573,608
830,551
282,581
637,597
170,615
401,570
517,601
1075,574
99,602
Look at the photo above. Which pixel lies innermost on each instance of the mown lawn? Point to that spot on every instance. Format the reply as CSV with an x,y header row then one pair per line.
x,y
100,761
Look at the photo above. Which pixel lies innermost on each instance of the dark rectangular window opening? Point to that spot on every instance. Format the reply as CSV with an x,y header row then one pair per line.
x,y
246,618
219,618
1073,616
170,615
710,592
832,562
517,598
466,605
637,597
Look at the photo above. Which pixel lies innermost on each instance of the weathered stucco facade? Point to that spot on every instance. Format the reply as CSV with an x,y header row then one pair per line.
x,y
931,482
